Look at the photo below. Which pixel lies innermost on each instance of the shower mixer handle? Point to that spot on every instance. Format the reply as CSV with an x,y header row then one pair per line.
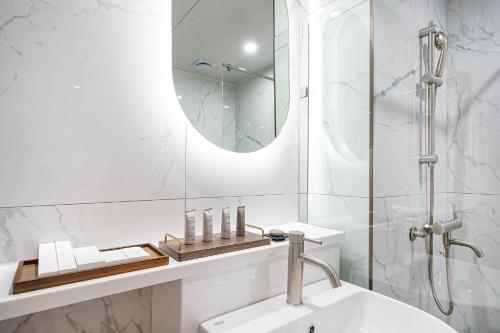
x,y
414,233
438,229
445,227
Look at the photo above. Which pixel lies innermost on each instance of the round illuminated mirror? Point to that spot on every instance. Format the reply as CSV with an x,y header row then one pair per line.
x,y
230,69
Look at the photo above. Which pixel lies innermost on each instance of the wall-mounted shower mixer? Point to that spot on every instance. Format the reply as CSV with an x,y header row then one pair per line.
x,y
438,229
444,229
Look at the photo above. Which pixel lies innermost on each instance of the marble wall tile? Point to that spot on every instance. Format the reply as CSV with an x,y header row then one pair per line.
x,y
209,105
476,294
399,265
260,209
84,111
349,214
103,225
338,127
399,103
473,160
108,128
481,225
399,140
128,312
397,64
397,146
473,83
93,141
399,269
271,170
255,113
475,280
271,209
339,101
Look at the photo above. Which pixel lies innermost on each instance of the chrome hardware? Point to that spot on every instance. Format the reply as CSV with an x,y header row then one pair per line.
x,y
425,159
432,79
442,228
230,67
445,230
304,92
414,233
313,241
430,29
448,241
296,260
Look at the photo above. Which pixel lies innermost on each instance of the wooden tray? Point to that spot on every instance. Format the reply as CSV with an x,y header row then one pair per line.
x,y
204,249
26,278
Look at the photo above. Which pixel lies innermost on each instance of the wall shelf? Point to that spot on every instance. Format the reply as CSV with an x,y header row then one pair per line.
x,y
21,304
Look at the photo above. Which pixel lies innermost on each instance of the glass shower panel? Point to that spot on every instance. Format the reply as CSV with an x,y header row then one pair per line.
x,y
467,185
338,183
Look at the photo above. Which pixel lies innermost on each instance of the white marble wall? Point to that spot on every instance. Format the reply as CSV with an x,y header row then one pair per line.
x,y
473,172
128,312
255,113
90,129
210,105
96,147
474,119
466,133
238,117
339,127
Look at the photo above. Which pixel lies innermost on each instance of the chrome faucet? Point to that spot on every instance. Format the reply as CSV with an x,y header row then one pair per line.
x,y
448,241
445,230
296,260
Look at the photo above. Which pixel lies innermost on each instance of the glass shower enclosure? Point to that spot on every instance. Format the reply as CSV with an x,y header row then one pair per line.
x,y
368,131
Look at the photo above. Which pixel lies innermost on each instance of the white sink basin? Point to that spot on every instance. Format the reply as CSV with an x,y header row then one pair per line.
x,y
346,309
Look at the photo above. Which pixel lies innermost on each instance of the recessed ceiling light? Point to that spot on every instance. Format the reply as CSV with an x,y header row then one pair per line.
x,y
250,47
179,97
226,106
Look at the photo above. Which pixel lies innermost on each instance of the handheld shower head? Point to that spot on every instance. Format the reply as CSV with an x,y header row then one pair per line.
x,y
441,43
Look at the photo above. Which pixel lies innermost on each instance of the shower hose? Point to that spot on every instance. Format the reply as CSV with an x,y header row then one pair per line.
x,y
430,257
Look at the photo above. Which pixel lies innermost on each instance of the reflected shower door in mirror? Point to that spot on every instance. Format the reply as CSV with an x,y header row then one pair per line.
x,y
230,69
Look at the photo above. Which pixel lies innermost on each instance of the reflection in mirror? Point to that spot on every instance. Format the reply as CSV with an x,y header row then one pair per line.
x,y
230,69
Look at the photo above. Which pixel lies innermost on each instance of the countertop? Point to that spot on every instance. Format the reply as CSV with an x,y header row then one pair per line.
x,y
21,304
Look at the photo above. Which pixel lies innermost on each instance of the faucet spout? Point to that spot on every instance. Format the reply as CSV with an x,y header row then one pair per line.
x,y
477,250
326,267
296,260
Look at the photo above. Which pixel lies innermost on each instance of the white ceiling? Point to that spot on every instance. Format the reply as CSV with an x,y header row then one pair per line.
x,y
216,30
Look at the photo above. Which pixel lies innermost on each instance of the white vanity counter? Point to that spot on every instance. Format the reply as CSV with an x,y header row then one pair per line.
x,y
17,305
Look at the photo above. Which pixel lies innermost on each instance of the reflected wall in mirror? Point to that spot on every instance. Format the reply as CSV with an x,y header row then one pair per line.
x,y
230,69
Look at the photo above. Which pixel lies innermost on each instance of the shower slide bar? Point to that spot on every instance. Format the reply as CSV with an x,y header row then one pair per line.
x,y
433,79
